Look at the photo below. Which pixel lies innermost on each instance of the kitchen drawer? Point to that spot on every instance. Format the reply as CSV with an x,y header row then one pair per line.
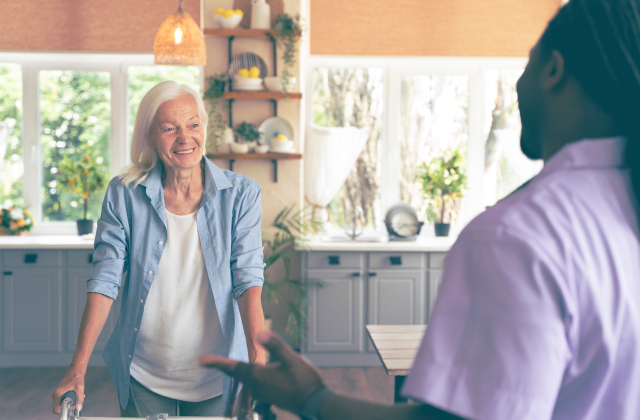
x,y
397,260
32,258
335,260
436,259
80,258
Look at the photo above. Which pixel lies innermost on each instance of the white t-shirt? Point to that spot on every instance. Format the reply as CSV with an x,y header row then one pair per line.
x,y
538,314
180,321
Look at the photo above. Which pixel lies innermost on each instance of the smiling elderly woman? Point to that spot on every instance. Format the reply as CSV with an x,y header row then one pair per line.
x,y
188,236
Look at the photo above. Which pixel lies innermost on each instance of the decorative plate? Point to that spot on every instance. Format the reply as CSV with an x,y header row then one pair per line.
x,y
402,221
271,127
246,61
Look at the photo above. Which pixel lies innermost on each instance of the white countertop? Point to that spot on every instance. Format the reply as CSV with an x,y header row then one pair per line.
x,y
422,244
46,242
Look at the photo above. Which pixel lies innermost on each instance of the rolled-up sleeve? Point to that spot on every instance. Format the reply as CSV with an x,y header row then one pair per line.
x,y
247,259
110,245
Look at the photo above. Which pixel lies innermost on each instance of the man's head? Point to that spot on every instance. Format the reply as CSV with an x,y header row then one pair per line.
x,y
583,77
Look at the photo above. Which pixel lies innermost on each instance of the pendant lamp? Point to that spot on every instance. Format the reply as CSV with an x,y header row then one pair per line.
x,y
179,41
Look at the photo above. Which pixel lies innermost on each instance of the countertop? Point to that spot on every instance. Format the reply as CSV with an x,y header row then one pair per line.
x,y
46,242
425,244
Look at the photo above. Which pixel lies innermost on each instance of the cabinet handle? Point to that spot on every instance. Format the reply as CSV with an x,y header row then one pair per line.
x,y
373,274
8,273
30,258
334,260
355,274
396,260
90,259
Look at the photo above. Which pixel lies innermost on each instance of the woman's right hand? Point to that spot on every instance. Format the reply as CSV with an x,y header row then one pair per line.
x,y
73,380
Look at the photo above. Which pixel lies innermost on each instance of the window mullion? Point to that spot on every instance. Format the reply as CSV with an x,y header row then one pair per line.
x,y
31,141
119,109
475,148
390,160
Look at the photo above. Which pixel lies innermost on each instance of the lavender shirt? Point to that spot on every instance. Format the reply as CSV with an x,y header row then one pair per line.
x,y
538,314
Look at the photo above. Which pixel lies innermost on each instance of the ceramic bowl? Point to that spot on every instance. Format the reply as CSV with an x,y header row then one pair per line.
x,y
239,148
274,84
284,146
247,83
228,23
262,148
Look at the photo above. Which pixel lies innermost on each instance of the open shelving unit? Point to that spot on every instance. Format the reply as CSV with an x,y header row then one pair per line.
x,y
274,97
273,157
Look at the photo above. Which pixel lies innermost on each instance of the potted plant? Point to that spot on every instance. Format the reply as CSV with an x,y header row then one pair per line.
x,y
288,32
248,132
291,229
15,221
82,177
443,183
213,96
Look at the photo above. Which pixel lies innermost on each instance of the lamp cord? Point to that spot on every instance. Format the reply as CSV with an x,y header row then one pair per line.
x,y
180,7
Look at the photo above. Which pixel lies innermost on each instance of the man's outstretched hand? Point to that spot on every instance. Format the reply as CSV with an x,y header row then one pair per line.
x,y
287,382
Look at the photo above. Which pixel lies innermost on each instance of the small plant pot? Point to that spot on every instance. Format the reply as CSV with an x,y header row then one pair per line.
x,y
85,226
442,229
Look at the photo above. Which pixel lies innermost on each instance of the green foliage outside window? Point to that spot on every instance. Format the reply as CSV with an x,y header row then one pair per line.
x,y
11,151
75,117
443,183
82,177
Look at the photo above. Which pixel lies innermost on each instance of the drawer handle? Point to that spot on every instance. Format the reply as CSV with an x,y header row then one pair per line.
x,y
30,258
8,273
90,259
396,260
355,274
373,274
334,260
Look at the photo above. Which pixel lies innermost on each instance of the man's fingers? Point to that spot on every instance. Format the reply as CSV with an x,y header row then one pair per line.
x,y
276,346
228,366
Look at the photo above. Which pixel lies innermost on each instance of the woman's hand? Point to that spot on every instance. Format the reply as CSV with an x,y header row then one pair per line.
x,y
73,380
288,381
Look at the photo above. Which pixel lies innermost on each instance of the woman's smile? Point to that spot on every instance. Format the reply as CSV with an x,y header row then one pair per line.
x,y
184,152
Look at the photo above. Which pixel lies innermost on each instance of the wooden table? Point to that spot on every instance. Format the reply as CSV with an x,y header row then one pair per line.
x,y
397,346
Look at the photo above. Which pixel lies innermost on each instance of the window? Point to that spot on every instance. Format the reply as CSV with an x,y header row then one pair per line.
x,y
11,168
71,106
427,107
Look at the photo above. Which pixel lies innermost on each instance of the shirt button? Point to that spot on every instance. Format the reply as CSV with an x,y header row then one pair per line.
x,y
135,330
141,301
129,356
159,242
149,272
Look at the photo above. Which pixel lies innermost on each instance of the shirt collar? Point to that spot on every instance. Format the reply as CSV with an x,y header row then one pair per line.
x,y
214,180
588,153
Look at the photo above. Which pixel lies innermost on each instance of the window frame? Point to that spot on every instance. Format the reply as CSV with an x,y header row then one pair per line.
x,y
117,65
394,68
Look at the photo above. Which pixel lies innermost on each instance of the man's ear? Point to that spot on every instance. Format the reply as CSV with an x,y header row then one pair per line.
x,y
553,72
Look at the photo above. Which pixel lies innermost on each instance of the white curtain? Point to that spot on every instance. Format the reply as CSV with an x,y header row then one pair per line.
x,y
4,141
330,154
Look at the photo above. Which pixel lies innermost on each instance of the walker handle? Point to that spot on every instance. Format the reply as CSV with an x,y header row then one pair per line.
x,y
70,394
69,399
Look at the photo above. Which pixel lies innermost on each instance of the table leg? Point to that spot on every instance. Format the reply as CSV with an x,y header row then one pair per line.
x,y
397,398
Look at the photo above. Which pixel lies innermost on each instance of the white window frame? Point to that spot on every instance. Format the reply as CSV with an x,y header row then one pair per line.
x,y
117,65
393,70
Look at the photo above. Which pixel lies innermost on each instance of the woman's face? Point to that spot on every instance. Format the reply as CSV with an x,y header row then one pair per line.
x,y
177,134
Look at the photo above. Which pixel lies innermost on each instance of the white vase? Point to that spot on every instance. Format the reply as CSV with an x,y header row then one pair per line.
x,y
227,139
260,14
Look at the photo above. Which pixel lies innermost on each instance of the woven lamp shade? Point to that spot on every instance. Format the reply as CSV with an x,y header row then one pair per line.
x,y
179,41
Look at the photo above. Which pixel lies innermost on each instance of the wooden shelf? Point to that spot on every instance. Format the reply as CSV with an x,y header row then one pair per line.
x,y
241,33
273,157
261,95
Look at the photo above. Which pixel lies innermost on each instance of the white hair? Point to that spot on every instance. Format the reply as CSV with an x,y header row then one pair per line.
x,y
143,157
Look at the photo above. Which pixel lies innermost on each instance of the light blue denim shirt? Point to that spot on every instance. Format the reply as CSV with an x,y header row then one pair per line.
x,y
131,236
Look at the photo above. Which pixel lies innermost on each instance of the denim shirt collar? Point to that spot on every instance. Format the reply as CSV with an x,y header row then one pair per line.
x,y
214,180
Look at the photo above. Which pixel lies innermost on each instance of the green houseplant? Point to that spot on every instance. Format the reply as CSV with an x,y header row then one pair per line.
x,y
443,182
248,132
214,97
288,32
83,178
291,227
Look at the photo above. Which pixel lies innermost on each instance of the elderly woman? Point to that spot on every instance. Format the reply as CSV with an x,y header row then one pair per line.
x,y
188,236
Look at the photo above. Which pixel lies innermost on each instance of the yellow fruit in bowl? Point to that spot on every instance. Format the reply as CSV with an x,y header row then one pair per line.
x,y
243,73
228,13
219,11
281,137
239,12
254,72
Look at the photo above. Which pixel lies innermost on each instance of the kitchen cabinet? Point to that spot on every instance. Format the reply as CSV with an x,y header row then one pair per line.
x,y
365,288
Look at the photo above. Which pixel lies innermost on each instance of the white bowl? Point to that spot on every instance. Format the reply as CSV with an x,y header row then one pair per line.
x,y
283,146
247,81
274,84
228,23
239,148
261,149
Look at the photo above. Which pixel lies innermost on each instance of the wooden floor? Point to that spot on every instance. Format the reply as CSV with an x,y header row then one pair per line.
x,y
25,393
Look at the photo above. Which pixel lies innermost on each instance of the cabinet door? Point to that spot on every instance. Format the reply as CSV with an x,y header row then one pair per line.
x,y
395,297
77,299
335,311
435,277
31,300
